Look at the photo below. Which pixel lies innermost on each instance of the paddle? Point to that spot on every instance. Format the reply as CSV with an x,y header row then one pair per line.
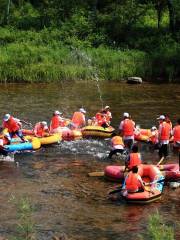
x,y
27,123
96,174
120,189
160,161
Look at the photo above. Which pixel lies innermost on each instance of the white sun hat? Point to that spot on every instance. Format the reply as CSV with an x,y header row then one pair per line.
x,y
44,123
57,112
161,117
125,114
6,117
82,110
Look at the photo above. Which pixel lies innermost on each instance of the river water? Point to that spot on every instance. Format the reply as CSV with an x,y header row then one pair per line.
x,y
55,179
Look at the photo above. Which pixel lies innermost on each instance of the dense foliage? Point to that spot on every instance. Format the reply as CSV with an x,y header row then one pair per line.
x,y
44,40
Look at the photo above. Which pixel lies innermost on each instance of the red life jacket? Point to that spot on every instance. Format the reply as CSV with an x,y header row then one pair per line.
x,y
165,131
176,133
154,137
108,117
134,160
12,125
54,122
39,130
132,182
128,127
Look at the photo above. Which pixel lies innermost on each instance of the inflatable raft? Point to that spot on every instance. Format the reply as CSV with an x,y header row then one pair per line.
x,y
34,144
97,131
170,172
115,173
142,135
149,173
68,134
152,174
54,138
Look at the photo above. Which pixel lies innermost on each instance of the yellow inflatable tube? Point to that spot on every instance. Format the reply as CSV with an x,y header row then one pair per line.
x,y
36,144
54,138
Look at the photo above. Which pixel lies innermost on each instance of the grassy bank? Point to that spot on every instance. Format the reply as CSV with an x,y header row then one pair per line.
x,y
157,229
31,56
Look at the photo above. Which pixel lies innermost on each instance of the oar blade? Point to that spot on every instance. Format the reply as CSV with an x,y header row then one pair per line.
x,y
96,174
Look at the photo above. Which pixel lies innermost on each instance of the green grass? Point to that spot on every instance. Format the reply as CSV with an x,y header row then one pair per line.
x,y
29,56
25,226
157,229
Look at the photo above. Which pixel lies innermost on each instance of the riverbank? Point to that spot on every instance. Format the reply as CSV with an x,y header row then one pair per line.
x,y
31,56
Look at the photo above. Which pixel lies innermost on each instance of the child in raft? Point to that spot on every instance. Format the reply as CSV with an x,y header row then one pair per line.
x,y
133,182
134,158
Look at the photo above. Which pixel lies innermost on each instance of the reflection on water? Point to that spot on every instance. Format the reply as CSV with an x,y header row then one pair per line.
x,y
55,178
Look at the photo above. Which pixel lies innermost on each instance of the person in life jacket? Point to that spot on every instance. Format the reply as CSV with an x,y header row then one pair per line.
x,y
168,120
101,119
154,139
127,129
176,135
3,141
117,145
12,125
134,158
92,122
164,132
57,122
78,119
41,129
133,182
108,114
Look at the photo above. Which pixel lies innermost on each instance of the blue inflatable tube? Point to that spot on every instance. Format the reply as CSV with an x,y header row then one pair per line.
x,y
19,147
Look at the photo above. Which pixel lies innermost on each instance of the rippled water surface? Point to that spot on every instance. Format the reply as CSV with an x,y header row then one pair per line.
x,y
55,178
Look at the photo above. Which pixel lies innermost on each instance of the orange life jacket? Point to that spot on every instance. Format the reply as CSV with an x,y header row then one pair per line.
x,y
165,131
78,119
176,133
117,140
134,160
128,127
132,182
39,130
12,125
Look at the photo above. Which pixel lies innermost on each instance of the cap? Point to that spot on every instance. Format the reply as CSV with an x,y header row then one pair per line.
x,y
161,117
106,107
6,117
153,128
125,114
44,123
82,110
57,113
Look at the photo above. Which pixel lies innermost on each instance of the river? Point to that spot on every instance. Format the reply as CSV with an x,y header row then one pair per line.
x,y
55,179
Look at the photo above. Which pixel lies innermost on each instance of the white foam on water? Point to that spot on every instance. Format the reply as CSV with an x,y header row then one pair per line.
x,y
9,158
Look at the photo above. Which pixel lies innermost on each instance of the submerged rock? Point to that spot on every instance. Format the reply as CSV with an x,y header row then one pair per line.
x,y
174,185
134,80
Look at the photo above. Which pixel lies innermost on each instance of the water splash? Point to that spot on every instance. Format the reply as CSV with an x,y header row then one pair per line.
x,y
91,147
83,59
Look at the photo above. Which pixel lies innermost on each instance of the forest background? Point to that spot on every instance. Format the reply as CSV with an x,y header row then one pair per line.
x,y
63,40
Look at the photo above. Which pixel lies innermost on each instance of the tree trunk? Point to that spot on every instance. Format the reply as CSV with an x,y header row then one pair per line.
x,y
6,17
171,15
